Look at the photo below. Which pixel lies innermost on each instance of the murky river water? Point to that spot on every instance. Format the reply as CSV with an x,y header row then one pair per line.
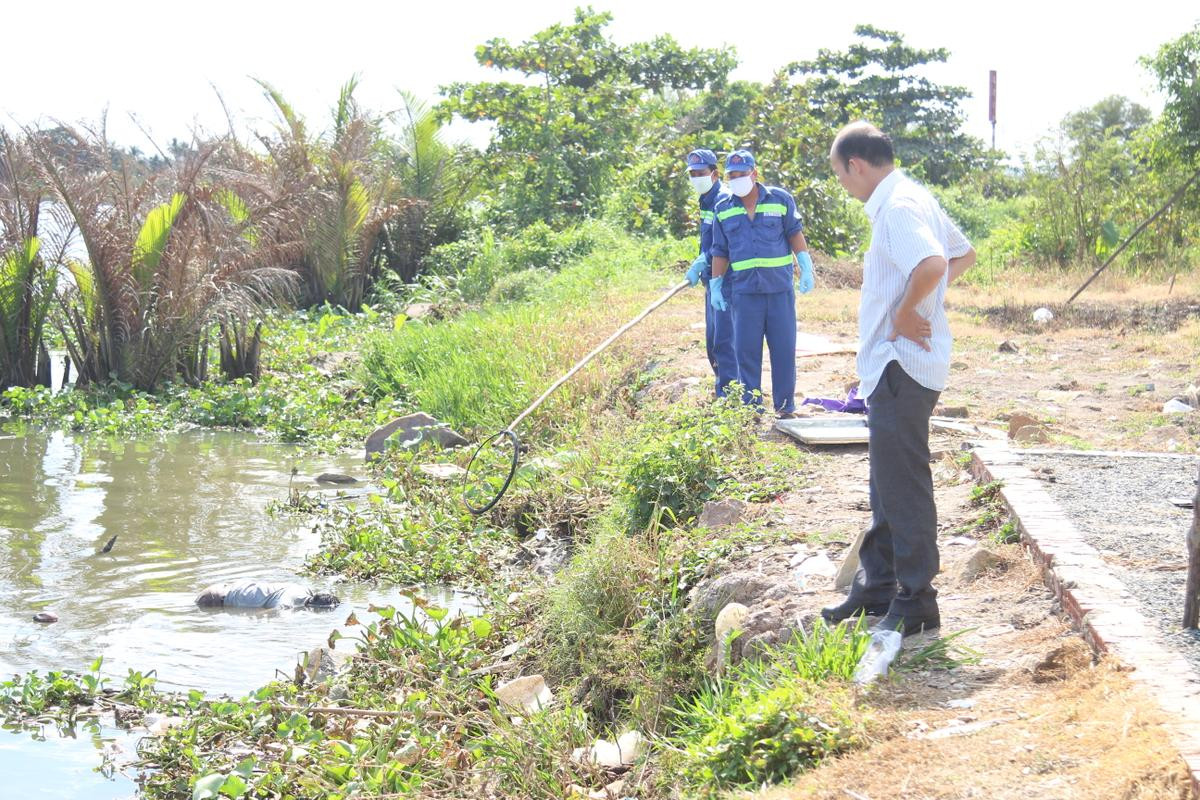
x,y
187,511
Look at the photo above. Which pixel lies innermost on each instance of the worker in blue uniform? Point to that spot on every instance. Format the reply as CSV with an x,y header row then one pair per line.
x,y
718,324
757,246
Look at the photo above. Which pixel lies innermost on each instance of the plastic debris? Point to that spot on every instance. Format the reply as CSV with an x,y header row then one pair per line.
x,y
1043,315
529,693
1176,406
879,656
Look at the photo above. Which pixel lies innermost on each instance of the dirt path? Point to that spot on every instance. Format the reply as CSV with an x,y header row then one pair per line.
x,y
1034,717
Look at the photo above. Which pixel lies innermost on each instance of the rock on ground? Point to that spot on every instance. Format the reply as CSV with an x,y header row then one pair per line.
x,y
410,431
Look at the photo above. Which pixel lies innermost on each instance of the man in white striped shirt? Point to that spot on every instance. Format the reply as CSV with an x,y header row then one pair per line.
x,y
903,361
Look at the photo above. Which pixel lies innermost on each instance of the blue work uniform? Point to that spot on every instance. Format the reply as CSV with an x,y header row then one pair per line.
x,y
758,288
718,325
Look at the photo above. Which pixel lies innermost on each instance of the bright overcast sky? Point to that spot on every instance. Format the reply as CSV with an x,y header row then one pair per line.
x,y
72,59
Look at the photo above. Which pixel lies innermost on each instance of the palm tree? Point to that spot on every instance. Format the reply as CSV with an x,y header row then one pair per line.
x,y
28,269
438,176
342,181
169,253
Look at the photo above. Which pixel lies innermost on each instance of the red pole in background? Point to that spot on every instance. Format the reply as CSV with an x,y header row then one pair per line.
x,y
992,104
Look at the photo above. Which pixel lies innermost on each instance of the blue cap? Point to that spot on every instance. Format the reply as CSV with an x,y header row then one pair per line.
x,y
701,159
739,161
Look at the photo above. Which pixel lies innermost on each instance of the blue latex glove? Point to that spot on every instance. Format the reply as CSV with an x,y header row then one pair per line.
x,y
696,269
807,281
715,297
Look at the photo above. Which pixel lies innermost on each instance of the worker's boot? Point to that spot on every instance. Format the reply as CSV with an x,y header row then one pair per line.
x,y
853,607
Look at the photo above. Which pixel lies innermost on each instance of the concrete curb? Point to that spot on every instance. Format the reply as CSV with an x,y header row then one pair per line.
x,y
1099,604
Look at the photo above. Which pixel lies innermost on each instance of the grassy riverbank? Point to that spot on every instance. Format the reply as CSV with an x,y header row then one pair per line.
x,y
597,572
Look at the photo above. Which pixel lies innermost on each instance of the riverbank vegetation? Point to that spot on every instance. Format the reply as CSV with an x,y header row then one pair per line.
x,y
338,278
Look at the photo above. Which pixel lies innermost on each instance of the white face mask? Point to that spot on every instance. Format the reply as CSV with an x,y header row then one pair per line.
x,y
701,183
741,186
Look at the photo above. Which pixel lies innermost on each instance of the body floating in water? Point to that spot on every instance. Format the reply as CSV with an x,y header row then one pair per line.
x,y
252,594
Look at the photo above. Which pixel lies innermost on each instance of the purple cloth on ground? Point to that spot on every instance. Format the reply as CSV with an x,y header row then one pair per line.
x,y
853,404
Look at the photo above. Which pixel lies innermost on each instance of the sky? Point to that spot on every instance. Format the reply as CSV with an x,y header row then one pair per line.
x,y
165,62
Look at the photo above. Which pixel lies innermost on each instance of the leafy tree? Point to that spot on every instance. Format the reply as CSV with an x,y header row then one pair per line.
x,y
435,174
1090,178
562,133
879,76
1177,67
791,145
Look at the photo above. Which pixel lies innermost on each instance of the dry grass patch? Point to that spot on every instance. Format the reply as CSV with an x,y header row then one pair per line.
x,y
1080,733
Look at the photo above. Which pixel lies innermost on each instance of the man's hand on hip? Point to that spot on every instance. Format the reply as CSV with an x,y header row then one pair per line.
x,y
912,326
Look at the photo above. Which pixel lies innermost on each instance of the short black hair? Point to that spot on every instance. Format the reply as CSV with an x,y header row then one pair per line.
x,y
865,141
322,600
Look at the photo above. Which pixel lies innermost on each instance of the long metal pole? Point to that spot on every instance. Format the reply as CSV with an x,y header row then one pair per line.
x,y
1175,197
674,290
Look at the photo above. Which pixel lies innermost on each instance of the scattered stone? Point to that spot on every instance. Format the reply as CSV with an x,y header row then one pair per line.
x,y
980,563
960,541
959,365
528,693
1045,473
1018,421
408,755
1009,346
739,587
731,619
418,310
962,702
410,431
45,617
1028,618
1067,386
335,477
1032,434
955,412
818,565
675,391
320,664
613,755
759,646
442,471
722,513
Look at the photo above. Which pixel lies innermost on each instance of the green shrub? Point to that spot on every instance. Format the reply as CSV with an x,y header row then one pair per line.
x,y
603,587
767,721
517,287
540,246
687,459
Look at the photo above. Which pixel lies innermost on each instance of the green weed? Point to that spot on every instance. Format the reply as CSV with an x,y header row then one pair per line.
x,y
768,720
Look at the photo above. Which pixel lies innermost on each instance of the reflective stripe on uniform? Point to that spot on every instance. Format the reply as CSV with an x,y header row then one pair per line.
x,y
751,263
765,208
706,216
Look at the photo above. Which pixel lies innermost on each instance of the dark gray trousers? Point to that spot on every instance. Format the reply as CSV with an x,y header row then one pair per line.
x,y
899,554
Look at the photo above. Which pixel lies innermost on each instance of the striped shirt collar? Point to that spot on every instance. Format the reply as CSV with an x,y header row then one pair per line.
x,y
882,192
